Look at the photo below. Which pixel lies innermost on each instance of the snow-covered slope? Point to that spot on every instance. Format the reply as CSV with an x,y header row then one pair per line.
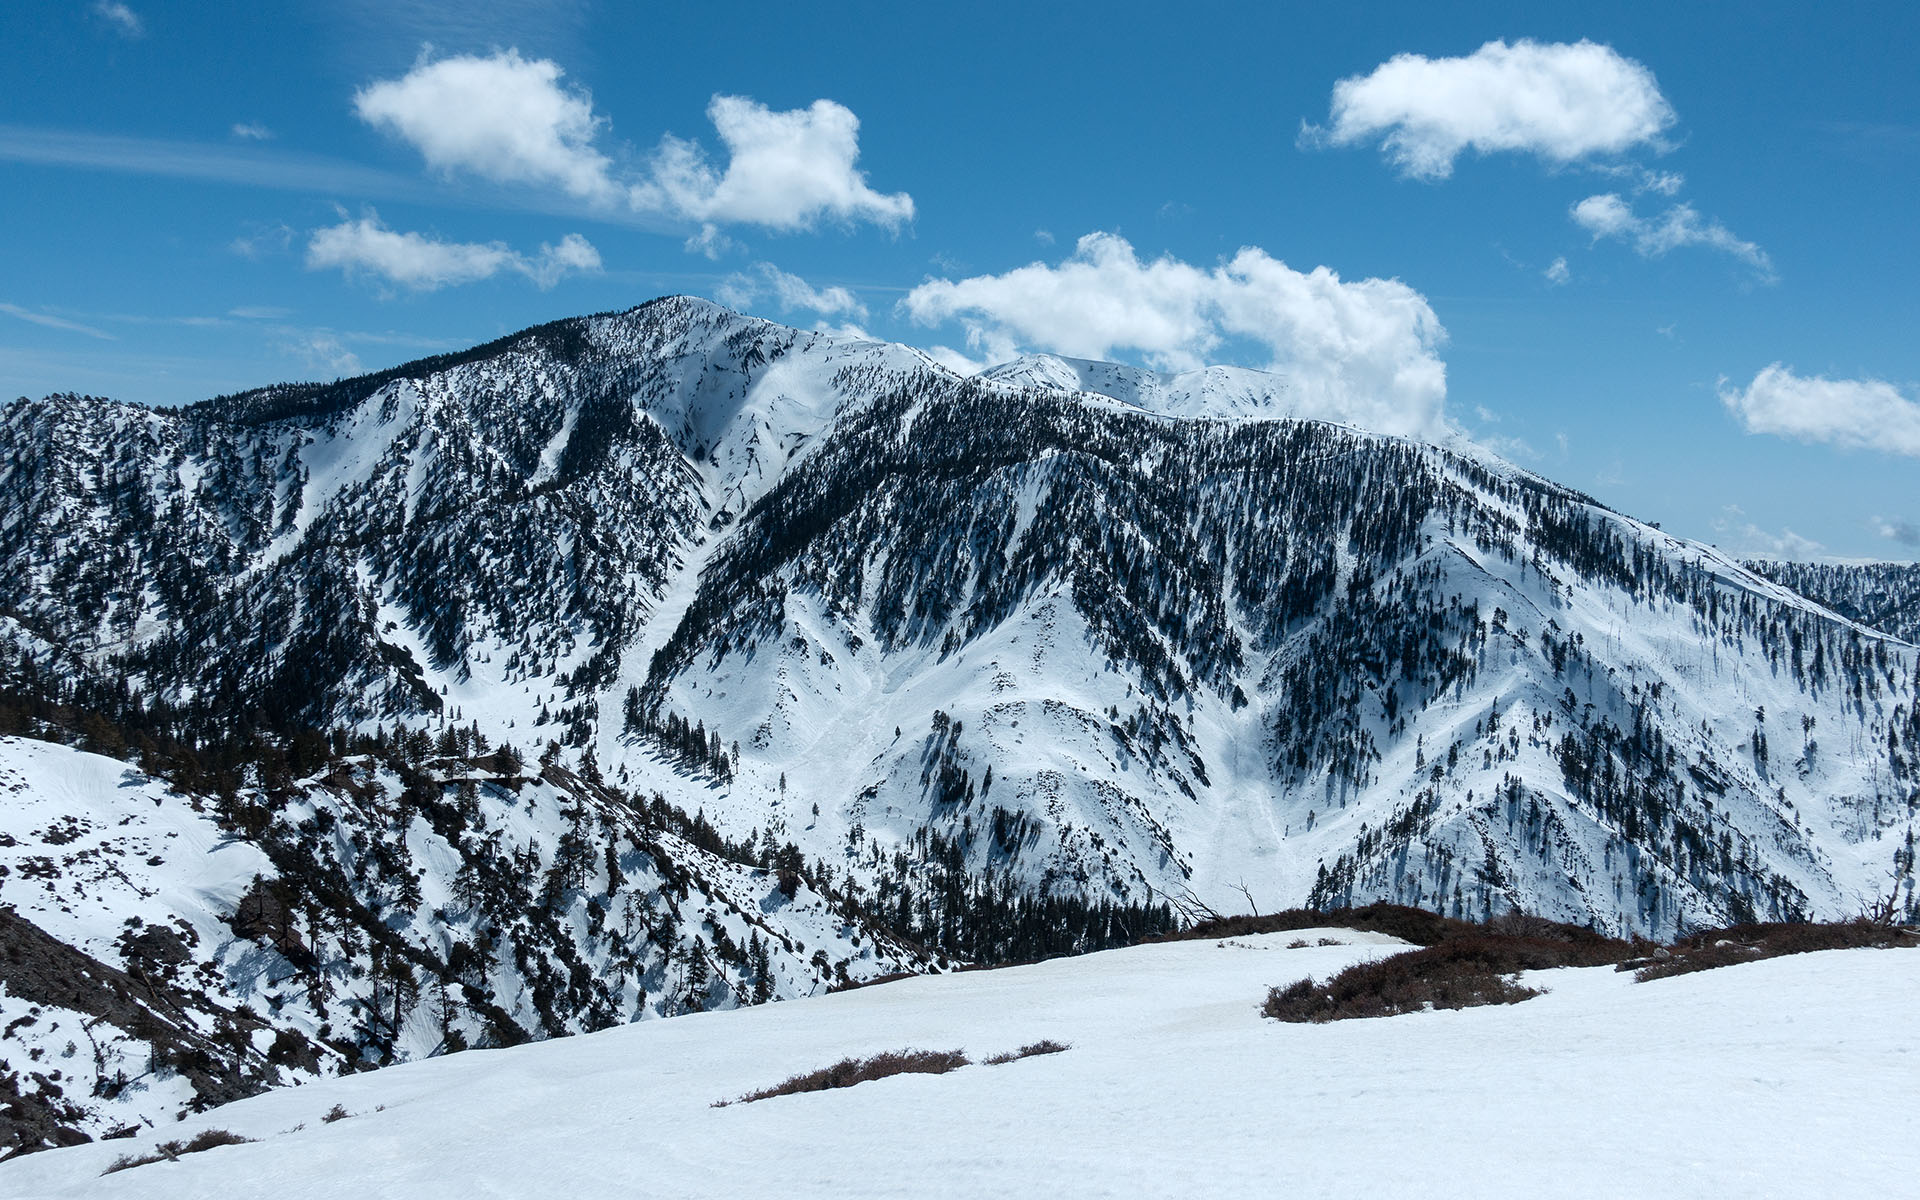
x,y
1204,392
168,949
1781,1077
1885,595
969,643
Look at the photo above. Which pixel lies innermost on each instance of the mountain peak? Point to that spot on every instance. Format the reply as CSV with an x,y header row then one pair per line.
x,y
1212,391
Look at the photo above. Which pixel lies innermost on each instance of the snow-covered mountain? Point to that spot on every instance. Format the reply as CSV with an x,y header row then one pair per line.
x,y
1205,392
1883,595
163,949
1779,1077
968,642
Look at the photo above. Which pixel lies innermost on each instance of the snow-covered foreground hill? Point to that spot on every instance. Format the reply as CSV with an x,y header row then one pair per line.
x,y
162,950
1786,1077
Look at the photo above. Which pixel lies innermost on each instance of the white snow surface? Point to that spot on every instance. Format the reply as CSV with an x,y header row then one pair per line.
x,y
1213,391
1778,1078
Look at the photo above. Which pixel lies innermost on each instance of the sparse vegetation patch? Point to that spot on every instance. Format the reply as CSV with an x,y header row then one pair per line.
x,y
1751,943
1415,925
1044,1046
169,1151
1463,965
850,1071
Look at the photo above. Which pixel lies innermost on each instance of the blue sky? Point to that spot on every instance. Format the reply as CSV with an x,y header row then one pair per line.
x,y
202,198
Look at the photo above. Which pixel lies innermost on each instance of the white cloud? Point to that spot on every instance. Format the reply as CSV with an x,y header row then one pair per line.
x,y
788,291
1667,183
261,241
711,243
1361,351
953,360
845,331
1516,449
322,350
511,119
252,131
424,264
125,21
1562,102
53,322
1557,272
1851,413
785,171
1746,539
502,117
1907,533
1608,216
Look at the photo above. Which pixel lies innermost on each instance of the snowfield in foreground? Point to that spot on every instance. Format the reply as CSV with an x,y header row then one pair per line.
x,y
1789,1077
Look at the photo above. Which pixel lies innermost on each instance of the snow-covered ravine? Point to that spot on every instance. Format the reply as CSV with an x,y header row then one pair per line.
x,y
1786,1077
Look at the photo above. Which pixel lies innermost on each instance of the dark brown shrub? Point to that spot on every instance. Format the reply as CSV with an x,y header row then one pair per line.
x,y
336,1113
850,1071
168,1151
1044,1046
853,985
1415,925
1461,971
1751,943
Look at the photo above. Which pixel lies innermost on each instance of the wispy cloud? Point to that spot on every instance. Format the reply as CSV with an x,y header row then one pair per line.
x,y
252,164
400,27
322,350
1745,538
262,240
424,264
788,291
1907,533
53,322
1609,216
252,131
119,18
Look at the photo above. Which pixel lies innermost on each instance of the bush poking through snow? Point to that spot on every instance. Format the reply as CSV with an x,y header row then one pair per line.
x,y
849,1071
336,1113
168,1151
1415,925
1750,943
1044,1046
1466,965
1463,971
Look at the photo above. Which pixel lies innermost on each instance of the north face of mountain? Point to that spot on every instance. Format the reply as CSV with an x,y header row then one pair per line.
x,y
978,643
